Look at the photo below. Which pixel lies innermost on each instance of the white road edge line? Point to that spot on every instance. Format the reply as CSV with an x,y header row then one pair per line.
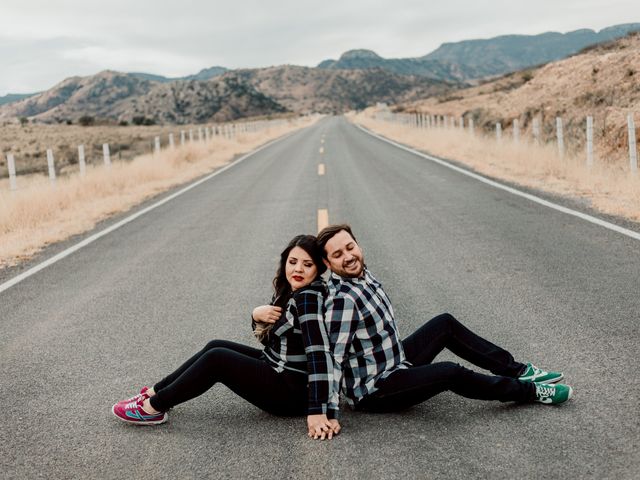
x,y
65,253
533,198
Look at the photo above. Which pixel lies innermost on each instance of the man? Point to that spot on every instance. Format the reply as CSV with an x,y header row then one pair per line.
x,y
379,372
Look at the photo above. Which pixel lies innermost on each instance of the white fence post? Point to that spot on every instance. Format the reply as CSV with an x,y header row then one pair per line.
x,y
11,163
156,142
52,169
199,134
82,161
207,135
172,143
499,132
560,136
471,126
516,131
106,154
633,152
181,137
589,141
536,131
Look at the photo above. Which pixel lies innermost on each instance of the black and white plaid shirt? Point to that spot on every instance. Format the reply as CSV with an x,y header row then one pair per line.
x,y
299,342
364,338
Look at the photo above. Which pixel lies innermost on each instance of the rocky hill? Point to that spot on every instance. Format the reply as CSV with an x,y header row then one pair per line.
x,y
433,69
304,89
601,81
473,59
14,97
119,97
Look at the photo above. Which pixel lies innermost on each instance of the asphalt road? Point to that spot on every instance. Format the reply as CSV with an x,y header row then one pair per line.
x,y
127,309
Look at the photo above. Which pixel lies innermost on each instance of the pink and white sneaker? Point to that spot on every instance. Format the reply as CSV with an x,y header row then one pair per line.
x,y
142,396
133,412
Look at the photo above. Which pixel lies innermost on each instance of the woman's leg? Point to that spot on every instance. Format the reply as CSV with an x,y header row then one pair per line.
x,y
407,387
251,378
444,331
238,347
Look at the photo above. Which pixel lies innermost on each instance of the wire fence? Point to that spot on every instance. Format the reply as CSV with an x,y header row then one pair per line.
x,y
75,160
577,137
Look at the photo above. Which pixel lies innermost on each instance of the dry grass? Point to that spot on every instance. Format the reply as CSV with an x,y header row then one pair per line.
x,y
39,214
611,189
601,82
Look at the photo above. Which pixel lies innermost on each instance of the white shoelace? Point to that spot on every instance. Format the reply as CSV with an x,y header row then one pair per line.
x,y
545,391
132,405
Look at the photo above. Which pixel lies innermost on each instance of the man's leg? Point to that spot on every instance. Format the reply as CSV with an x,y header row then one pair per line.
x,y
444,331
411,386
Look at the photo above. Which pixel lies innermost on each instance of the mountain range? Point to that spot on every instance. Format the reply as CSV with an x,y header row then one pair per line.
x,y
357,79
474,59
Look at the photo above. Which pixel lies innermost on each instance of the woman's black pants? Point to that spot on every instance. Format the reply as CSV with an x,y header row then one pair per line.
x,y
240,368
424,379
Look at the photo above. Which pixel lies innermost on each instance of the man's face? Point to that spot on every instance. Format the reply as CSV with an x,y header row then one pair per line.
x,y
344,256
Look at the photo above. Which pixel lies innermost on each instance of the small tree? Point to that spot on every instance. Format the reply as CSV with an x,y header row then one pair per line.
x,y
86,120
23,121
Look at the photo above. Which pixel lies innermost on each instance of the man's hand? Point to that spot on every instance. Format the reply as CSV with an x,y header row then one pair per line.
x,y
320,427
335,426
266,313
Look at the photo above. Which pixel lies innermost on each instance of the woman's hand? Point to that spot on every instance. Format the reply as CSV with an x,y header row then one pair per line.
x,y
266,313
319,426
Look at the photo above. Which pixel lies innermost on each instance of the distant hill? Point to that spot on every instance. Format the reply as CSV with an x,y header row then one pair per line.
x,y
204,74
304,89
474,59
14,97
121,96
434,69
235,94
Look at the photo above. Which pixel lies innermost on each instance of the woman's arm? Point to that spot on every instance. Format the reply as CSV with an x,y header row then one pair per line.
x,y
266,314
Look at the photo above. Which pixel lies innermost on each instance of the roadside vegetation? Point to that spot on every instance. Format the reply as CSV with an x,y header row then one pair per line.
x,y
608,187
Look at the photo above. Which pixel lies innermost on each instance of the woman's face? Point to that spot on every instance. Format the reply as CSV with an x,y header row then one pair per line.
x,y
300,269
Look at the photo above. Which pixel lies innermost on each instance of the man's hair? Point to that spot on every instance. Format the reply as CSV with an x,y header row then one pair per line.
x,y
327,233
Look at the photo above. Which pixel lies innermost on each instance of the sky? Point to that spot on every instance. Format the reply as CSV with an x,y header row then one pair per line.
x,y
42,42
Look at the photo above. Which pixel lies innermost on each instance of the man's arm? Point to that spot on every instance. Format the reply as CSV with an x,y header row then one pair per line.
x,y
309,308
341,318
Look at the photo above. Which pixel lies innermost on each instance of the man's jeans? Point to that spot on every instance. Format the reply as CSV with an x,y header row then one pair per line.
x,y
404,388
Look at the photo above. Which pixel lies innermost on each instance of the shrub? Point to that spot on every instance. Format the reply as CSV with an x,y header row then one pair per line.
x,y
86,120
142,120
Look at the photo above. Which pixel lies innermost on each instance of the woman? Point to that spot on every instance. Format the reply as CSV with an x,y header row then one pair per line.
x,y
277,379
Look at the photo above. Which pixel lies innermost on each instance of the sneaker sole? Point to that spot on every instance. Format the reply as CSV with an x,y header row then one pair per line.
x,y
134,422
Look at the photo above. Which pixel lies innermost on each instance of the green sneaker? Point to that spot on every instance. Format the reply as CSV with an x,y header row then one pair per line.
x,y
552,394
534,374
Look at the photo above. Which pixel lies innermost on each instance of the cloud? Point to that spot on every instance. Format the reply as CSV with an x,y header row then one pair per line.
x,y
42,42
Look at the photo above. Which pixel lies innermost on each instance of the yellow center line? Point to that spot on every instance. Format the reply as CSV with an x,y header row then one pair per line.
x,y
321,169
323,218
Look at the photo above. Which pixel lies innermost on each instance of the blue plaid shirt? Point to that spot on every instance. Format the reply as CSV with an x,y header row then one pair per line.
x,y
298,342
364,338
